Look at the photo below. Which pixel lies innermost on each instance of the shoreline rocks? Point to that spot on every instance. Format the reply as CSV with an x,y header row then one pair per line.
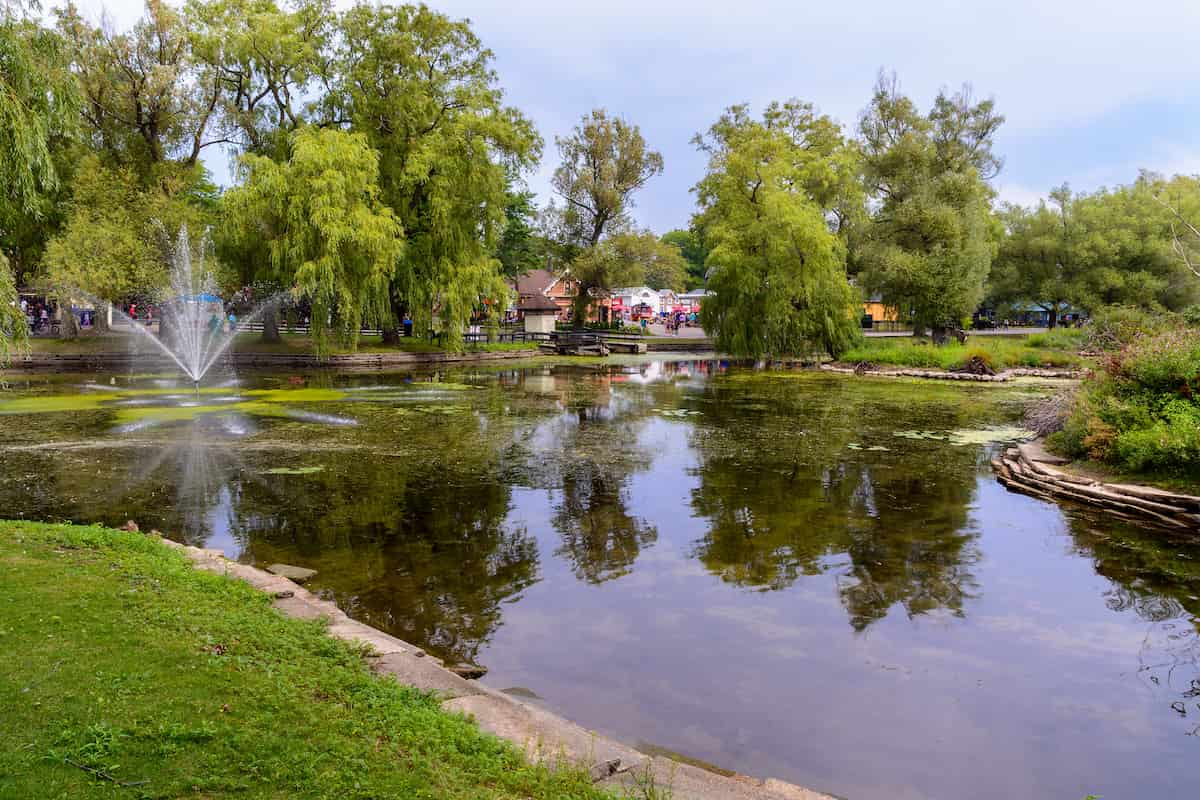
x,y
292,573
945,375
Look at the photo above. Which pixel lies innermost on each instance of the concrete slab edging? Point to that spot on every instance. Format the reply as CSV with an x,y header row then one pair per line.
x,y
543,736
348,361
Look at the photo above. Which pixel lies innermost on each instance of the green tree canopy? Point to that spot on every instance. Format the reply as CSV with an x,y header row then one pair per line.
x,y
1036,261
421,88
267,63
621,260
112,244
928,245
663,263
691,246
776,268
520,249
39,104
328,232
1110,247
604,161
106,249
147,98
1180,197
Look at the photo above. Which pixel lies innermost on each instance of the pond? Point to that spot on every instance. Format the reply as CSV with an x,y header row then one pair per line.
x,y
782,573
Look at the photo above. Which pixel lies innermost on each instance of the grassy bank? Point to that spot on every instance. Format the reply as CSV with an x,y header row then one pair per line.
x,y
1050,350
252,343
126,673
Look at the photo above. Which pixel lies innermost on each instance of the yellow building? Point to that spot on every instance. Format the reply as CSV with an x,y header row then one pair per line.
x,y
878,312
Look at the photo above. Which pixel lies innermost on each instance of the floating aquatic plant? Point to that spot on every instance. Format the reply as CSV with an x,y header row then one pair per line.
x,y
966,436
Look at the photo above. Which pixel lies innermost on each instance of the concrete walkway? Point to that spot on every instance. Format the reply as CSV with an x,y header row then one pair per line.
x,y
545,737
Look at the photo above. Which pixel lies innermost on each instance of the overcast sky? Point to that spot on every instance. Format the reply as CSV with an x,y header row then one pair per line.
x,y
1093,90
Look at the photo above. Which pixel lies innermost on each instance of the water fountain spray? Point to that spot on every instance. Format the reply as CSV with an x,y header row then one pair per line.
x,y
195,336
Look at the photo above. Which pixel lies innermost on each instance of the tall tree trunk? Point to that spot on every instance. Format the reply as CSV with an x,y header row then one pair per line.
x,y
393,328
1054,316
579,307
941,335
100,320
69,325
270,318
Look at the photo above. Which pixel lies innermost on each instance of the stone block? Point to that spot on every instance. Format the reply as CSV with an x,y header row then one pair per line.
x,y
297,574
425,674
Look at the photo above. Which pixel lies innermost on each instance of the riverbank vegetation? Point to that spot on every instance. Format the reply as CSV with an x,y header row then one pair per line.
x,y
1140,412
124,669
995,352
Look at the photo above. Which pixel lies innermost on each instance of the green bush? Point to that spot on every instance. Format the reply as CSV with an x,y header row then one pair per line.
x,y
1170,444
1191,315
1114,327
1142,412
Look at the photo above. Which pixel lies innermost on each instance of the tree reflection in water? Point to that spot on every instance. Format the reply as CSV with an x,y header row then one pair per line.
x,y
1154,574
417,544
785,495
586,456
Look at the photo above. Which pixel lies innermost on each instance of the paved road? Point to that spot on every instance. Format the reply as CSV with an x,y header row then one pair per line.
x,y
993,332
684,332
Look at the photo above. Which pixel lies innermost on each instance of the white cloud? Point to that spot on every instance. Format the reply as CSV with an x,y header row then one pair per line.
x,y
1020,195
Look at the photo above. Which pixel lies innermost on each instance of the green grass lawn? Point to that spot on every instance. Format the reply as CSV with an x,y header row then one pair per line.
x,y
84,344
252,343
126,673
1002,352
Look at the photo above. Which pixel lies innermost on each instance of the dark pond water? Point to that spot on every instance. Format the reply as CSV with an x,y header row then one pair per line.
x,y
787,574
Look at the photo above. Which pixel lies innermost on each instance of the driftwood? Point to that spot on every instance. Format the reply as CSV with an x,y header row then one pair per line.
x,y
1028,468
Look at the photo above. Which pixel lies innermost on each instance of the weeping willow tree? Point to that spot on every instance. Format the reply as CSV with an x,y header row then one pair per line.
x,y
776,267
327,232
421,87
39,102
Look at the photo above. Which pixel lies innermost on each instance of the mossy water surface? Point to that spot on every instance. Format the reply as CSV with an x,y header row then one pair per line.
x,y
777,572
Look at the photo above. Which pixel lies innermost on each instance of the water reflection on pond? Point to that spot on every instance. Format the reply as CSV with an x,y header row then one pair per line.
x,y
790,574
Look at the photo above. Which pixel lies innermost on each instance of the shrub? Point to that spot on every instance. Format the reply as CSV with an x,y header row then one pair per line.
x,y
1166,364
1142,412
1113,327
1172,443
1191,315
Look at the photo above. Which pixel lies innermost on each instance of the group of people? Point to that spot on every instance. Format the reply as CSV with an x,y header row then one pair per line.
x,y
218,325
677,320
37,314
